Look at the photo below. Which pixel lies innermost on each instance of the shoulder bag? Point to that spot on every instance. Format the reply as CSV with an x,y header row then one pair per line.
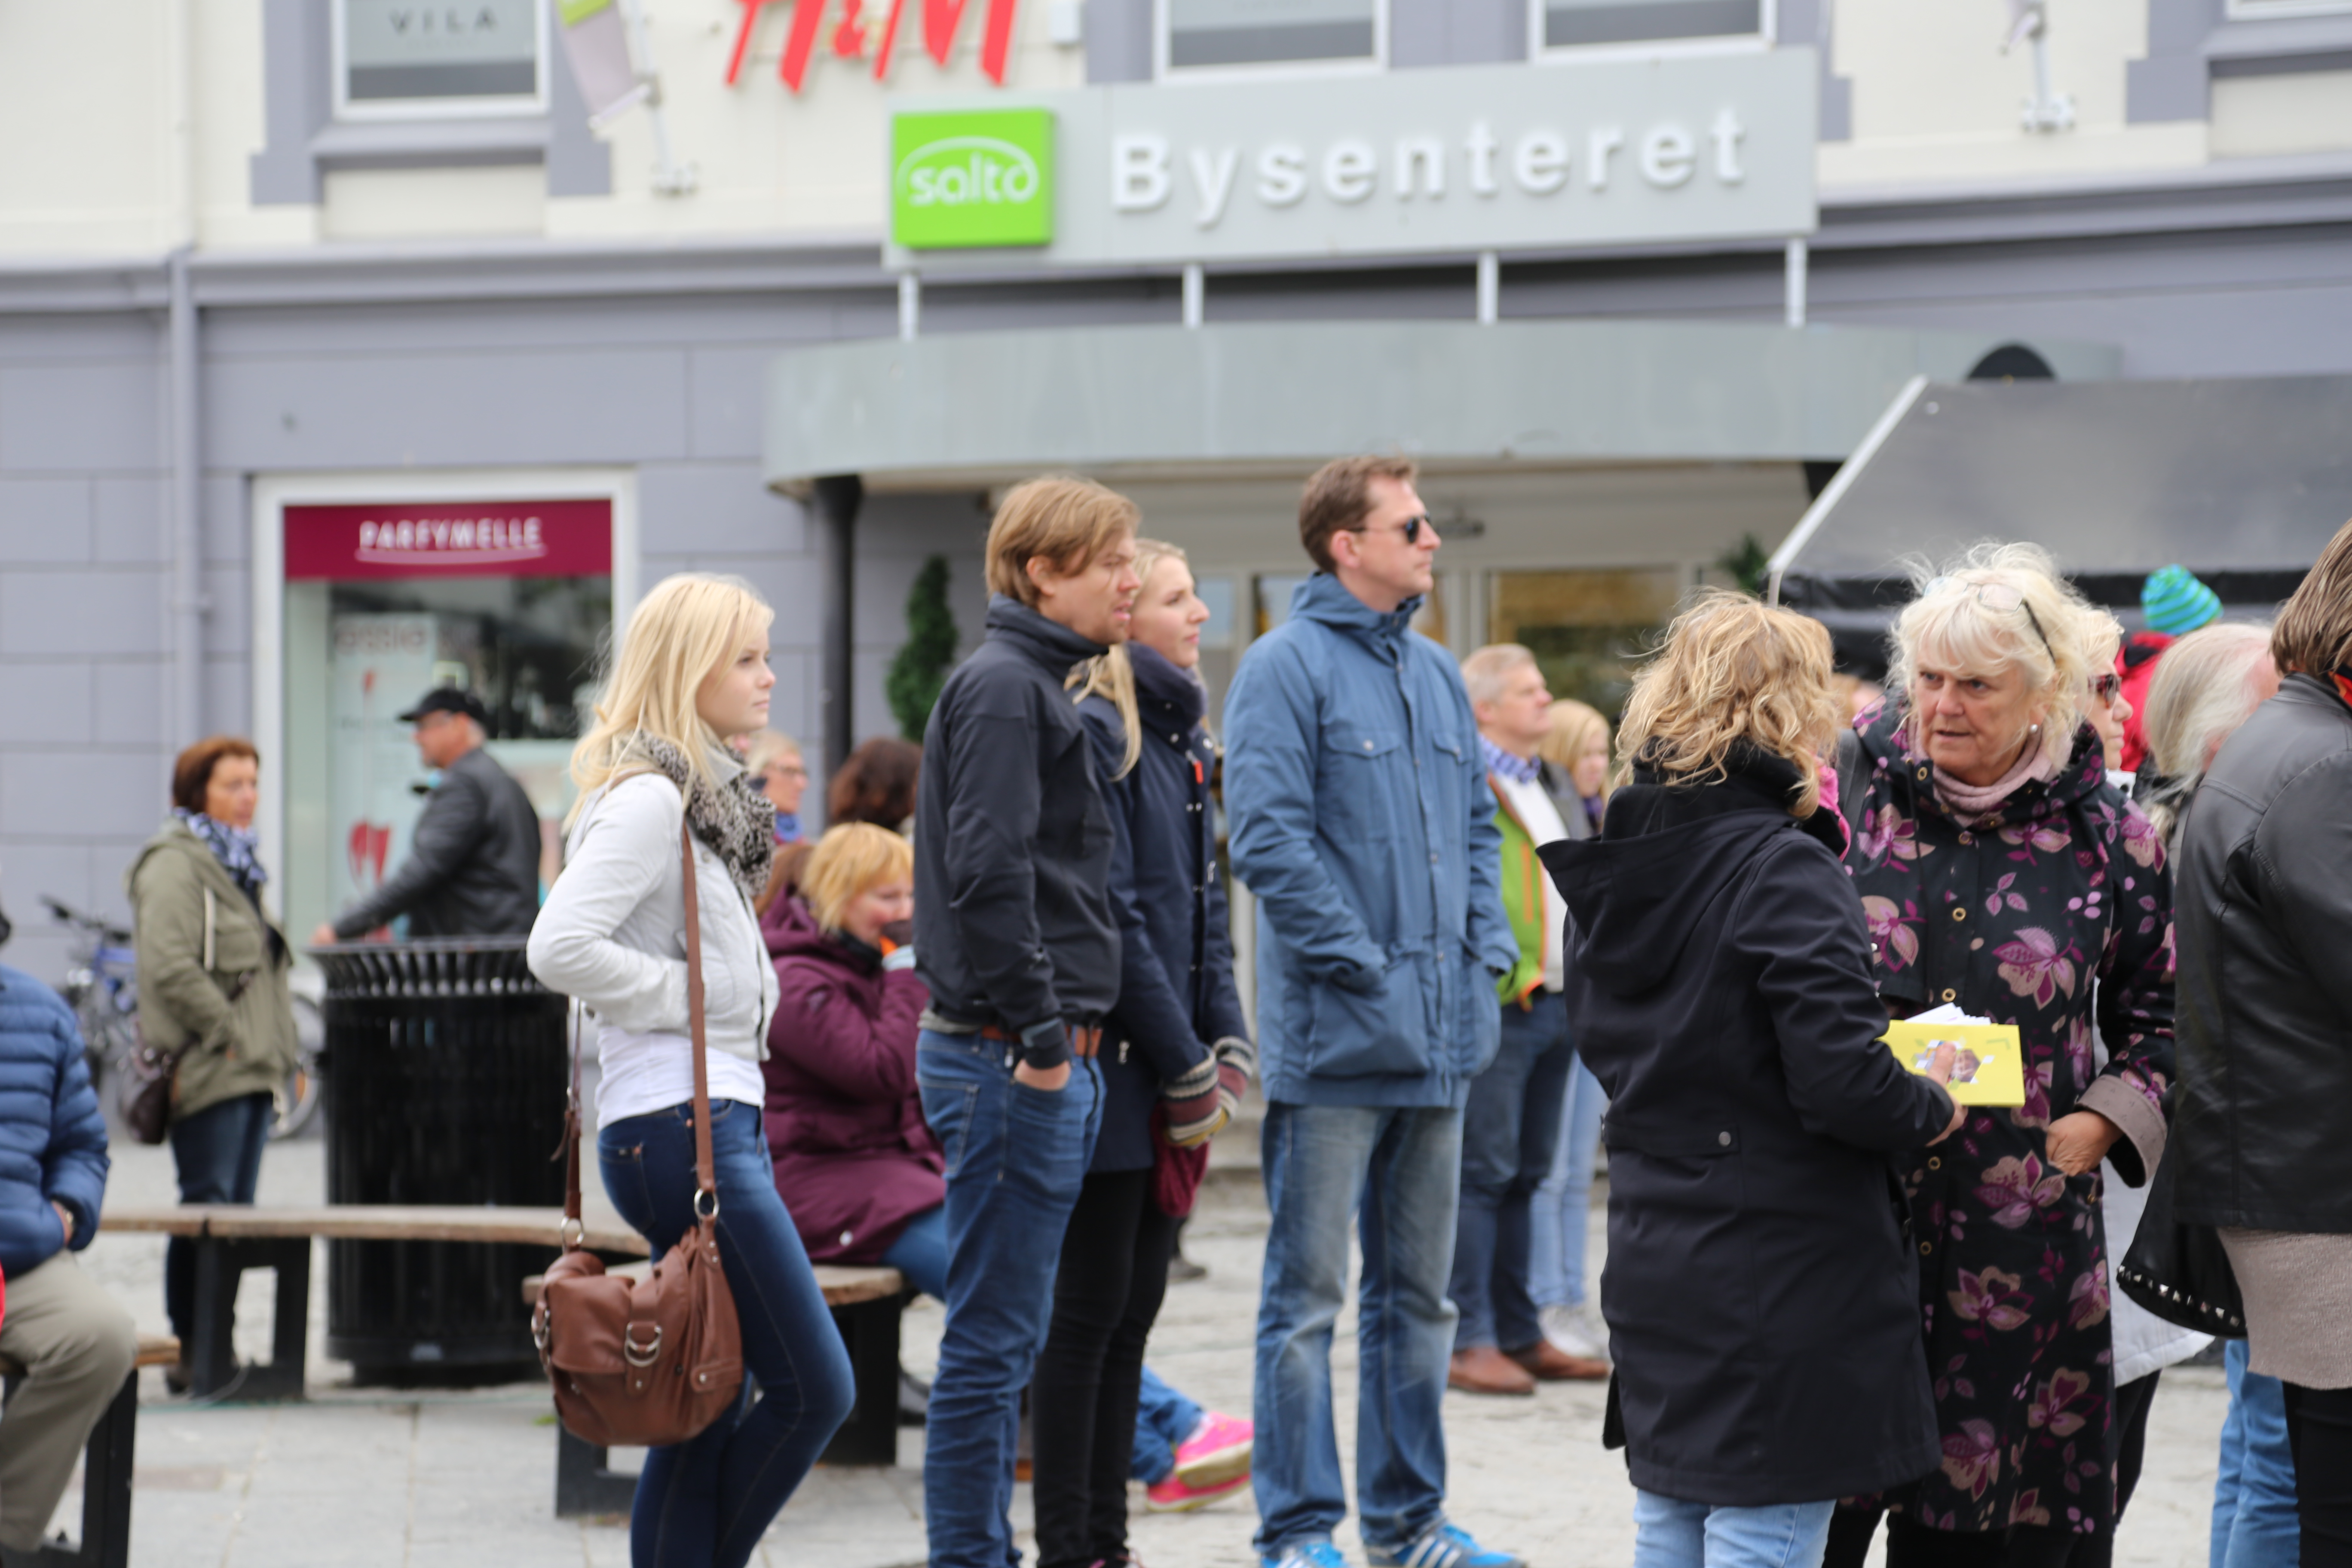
x,y
645,1362
151,1074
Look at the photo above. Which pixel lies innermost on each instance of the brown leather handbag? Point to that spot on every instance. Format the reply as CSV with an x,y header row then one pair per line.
x,y
650,1363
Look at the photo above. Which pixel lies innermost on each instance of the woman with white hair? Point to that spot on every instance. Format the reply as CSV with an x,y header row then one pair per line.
x,y
2209,683
2001,871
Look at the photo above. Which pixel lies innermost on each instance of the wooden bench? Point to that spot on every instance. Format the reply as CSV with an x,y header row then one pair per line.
x,y
232,1237
865,1305
105,1469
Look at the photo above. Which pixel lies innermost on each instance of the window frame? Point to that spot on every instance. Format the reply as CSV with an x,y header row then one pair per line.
x,y
2282,10
1766,37
1264,70
377,111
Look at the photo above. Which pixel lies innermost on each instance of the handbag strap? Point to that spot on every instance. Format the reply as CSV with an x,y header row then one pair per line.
x,y
705,1173
573,1230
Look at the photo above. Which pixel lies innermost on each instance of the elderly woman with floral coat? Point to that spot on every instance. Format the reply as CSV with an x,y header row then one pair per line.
x,y
1998,870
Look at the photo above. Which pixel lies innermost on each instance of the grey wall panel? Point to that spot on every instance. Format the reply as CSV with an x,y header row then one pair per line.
x,y
2172,82
652,319
1119,40
1456,32
589,405
48,703
228,526
228,696
1406,294
132,521
70,613
296,64
727,388
75,417
578,164
44,521
31,866
68,336
682,508
1112,302
81,793
229,619
127,704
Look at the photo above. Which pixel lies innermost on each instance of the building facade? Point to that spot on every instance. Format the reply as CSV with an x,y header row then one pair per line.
x,y
340,356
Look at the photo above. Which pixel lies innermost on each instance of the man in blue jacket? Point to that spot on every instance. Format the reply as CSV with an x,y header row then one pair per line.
x,y
75,1341
1362,822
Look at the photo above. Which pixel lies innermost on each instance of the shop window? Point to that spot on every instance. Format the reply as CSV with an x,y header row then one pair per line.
x,y
1588,630
1274,590
1587,24
405,58
1206,35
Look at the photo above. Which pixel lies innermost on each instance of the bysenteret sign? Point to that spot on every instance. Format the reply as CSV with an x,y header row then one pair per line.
x,y
1521,157
972,179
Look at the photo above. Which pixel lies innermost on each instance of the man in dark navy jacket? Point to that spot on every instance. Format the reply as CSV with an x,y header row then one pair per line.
x,y
75,1341
1015,940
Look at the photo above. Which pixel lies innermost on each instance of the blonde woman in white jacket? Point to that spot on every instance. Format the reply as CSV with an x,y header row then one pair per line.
x,y
692,674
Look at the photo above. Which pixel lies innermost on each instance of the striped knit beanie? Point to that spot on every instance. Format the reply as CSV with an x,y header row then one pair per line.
x,y
2176,602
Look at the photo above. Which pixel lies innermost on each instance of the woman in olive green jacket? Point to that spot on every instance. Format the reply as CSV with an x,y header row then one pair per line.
x,y
212,977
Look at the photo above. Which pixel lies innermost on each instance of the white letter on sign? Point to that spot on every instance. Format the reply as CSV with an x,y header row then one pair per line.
x,y
1281,174
1138,172
1667,158
1540,163
1429,153
1728,132
1213,174
1349,170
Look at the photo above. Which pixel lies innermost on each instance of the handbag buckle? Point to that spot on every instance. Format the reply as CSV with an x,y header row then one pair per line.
x,y
636,1355
700,1194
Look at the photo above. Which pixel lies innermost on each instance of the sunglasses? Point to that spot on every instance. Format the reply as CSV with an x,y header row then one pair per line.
x,y
1410,527
2001,598
759,781
2107,687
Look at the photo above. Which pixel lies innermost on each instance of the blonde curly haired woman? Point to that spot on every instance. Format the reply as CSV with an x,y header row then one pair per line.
x,y
692,674
1758,1292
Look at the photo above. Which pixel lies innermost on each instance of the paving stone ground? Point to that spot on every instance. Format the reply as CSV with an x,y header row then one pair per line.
x,y
372,1478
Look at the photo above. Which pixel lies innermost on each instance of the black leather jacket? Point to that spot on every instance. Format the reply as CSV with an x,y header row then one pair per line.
x,y
473,861
2263,902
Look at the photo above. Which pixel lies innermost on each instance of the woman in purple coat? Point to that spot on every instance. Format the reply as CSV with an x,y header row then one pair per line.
x,y
856,1162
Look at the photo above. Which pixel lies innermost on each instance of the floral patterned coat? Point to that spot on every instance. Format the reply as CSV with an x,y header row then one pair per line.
x,y
2020,917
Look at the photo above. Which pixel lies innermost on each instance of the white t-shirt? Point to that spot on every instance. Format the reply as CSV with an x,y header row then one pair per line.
x,y
648,1072
1541,817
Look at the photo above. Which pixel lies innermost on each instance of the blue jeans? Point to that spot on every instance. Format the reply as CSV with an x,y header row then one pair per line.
x,y
2254,1521
1398,1173
1669,1533
1016,1157
708,1500
1510,1143
920,1253
1163,1419
218,1153
1558,1216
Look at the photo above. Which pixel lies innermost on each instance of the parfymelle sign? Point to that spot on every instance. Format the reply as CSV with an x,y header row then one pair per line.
x,y
1519,157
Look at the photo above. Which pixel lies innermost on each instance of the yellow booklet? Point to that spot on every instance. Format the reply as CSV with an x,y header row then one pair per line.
x,y
1991,1068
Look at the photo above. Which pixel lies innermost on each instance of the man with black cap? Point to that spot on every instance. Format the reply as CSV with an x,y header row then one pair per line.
x,y
473,861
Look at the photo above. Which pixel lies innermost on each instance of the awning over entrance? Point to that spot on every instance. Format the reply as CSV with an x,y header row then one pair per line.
x,y
982,407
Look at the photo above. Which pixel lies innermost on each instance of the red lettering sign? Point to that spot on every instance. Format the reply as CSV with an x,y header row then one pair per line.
x,y
940,20
449,539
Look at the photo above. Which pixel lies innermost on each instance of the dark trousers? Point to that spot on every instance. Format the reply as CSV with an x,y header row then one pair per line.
x,y
218,1153
1510,1138
1082,1405
1909,1546
2134,1400
2319,1429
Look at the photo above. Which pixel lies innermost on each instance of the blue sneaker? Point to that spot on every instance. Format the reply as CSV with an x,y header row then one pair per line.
x,y
1442,1545
1305,1554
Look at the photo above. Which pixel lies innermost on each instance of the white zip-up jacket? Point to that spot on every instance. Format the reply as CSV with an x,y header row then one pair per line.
x,y
612,934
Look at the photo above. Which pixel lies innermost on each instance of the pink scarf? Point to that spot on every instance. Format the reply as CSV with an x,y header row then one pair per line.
x,y
1971,802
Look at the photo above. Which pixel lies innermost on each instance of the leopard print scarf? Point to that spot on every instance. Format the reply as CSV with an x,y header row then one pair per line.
x,y
736,821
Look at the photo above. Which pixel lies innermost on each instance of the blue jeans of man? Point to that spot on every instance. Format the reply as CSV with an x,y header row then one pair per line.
x,y
218,1154
1397,1172
1163,1419
1560,1215
1510,1142
1671,1533
920,1253
2254,1521
1016,1157
705,1503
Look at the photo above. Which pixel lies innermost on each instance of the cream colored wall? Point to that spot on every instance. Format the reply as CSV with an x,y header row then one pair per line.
x,y
89,165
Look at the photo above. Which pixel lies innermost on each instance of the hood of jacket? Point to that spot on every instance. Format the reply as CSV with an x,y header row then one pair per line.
x,y
1322,598
792,931
175,838
1166,690
1053,646
1666,851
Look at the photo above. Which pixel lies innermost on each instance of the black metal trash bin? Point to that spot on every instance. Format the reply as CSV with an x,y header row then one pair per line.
x,y
444,1084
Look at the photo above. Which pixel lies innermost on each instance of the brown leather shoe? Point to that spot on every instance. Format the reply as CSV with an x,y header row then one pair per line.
x,y
1550,1363
1483,1369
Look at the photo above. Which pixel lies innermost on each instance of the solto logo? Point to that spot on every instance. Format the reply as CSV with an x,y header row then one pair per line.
x,y
972,180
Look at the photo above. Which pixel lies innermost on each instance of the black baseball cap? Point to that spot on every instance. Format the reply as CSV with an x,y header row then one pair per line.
x,y
449,699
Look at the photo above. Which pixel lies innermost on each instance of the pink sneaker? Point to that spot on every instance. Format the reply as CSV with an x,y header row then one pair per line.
x,y
1176,1495
1218,1450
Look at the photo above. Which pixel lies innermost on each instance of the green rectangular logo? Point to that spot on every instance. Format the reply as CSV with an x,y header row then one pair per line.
x,y
980,178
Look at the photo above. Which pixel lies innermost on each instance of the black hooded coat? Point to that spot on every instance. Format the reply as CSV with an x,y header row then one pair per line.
x,y
1761,1299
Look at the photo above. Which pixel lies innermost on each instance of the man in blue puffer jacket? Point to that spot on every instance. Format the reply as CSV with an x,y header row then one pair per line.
x,y
75,1340
1363,823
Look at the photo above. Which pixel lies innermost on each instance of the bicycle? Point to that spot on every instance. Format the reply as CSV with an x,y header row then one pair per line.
x,y
102,989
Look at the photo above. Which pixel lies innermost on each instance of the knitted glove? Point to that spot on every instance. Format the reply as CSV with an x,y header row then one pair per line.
x,y
1236,1064
898,958
1195,1108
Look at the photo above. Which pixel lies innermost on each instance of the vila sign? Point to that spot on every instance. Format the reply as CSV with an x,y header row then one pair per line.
x,y
1513,158
493,539
967,180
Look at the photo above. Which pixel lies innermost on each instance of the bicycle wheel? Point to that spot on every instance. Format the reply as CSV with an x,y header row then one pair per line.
x,y
297,1098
